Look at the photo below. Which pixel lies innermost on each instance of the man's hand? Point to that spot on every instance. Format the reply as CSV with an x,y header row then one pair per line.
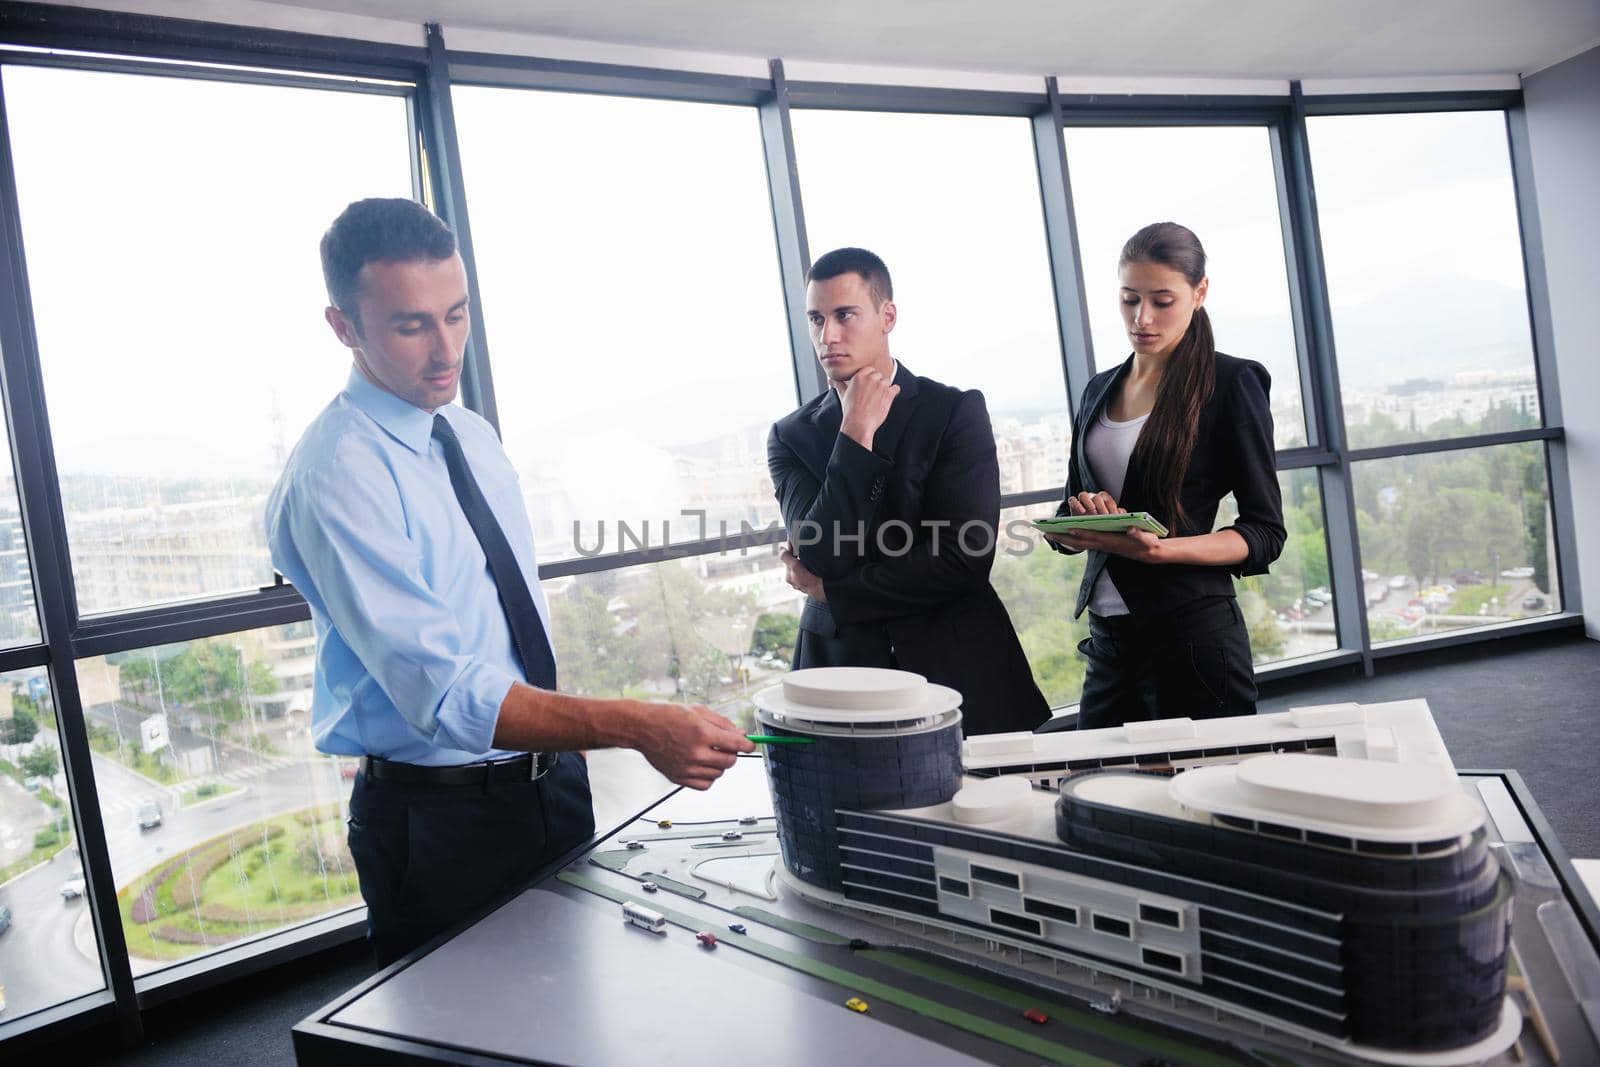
x,y
866,399
691,745
799,577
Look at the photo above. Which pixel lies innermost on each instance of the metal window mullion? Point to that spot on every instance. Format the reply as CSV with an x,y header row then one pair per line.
x,y
449,199
1337,483
1061,239
1311,412
44,530
789,227
1545,364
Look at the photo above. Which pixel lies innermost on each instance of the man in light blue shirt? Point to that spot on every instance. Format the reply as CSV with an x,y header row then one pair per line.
x,y
400,520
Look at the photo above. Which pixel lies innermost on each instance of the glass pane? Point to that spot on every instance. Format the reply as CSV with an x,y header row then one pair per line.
x,y
710,629
1289,610
1456,540
171,228
1230,201
1039,587
634,310
1425,275
951,203
223,821
19,618
49,952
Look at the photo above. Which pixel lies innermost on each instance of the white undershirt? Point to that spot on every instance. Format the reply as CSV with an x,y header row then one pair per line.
x,y
1107,447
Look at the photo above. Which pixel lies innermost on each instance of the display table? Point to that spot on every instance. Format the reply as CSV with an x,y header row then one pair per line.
x,y
556,976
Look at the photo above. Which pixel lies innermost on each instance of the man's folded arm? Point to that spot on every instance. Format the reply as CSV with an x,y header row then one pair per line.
x,y
824,516
953,549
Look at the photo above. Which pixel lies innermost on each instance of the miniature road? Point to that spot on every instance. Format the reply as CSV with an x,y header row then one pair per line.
x,y
914,990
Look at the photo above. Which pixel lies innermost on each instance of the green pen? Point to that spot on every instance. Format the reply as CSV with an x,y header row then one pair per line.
x,y
773,739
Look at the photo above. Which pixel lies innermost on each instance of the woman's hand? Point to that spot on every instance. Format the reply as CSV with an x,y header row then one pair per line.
x,y
1094,504
1133,544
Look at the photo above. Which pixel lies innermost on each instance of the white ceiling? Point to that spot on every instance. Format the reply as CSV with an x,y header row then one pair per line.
x,y
1129,39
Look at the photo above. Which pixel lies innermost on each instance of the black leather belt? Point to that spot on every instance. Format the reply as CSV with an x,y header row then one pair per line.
x,y
525,768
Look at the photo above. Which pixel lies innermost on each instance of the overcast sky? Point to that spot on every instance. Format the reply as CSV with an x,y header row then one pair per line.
x,y
630,283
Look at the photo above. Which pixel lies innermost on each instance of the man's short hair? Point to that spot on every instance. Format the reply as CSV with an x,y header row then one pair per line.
x,y
854,261
378,230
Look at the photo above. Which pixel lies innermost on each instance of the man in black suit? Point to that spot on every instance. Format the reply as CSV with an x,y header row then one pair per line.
x,y
890,492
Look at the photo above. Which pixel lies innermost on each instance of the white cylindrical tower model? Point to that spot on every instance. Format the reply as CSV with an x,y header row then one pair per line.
x,y
874,739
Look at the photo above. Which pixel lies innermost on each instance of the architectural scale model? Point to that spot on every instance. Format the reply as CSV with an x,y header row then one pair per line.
x,y
1352,902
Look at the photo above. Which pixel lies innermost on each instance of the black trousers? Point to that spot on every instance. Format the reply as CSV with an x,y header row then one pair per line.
x,y
1192,662
430,855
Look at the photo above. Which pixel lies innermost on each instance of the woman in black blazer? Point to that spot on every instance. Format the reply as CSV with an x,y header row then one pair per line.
x,y
1171,431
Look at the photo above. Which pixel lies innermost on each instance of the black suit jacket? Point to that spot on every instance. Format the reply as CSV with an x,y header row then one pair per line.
x,y
907,578
1233,452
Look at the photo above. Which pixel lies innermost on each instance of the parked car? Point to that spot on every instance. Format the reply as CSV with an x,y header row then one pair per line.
x,y
1517,572
149,815
5,918
1532,601
1467,577
74,885
1399,581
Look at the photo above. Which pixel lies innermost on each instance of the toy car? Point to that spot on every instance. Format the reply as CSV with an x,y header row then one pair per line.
x,y
731,835
856,1004
748,820
665,824
643,917
737,928
1034,1015
706,938
649,887
635,845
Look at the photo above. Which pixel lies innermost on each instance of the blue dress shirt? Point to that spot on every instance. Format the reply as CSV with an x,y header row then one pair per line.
x,y
414,654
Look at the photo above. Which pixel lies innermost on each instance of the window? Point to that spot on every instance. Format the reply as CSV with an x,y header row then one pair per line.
x,y
994,877
1456,539
178,305
1110,924
711,629
1425,275
1289,610
1015,922
48,950
951,203
1161,916
1062,913
636,322
19,617
1165,961
223,821
1230,201
954,886
1039,587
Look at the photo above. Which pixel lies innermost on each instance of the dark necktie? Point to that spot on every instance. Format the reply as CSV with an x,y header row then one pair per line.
x,y
527,630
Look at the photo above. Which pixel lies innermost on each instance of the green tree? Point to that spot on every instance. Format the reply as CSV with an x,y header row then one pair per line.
x,y
596,656
776,632
42,762
212,675
24,724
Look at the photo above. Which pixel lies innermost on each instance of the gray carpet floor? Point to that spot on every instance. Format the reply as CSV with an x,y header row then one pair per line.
x,y
1531,704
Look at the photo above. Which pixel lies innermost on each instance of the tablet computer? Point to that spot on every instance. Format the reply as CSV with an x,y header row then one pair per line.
x,y
1138,520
